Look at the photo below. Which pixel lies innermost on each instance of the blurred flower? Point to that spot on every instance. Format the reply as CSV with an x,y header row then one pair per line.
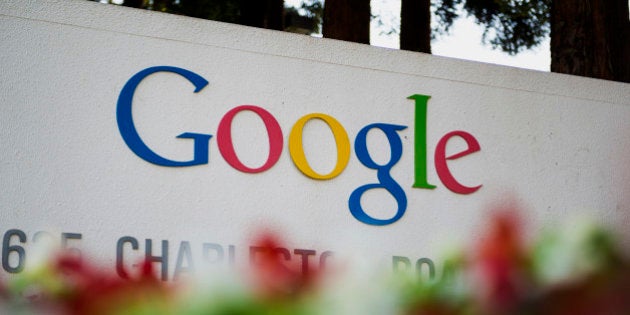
x,y
502,264
276,276
577,271
70,286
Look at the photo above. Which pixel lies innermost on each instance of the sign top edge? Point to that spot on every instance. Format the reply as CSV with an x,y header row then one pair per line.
x,y
145,23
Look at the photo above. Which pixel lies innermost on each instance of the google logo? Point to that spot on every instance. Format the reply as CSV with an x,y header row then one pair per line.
x,y
276,143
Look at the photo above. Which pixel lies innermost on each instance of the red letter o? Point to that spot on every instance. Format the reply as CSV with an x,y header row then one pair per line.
x,y
226,146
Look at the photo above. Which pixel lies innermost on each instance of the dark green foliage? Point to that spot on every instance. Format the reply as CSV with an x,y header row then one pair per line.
x,y
306,19
512,25
515,24
217,10
446,12
259,13
314,9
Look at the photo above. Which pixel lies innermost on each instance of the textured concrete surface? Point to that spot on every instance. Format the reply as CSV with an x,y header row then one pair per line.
x,y
557,145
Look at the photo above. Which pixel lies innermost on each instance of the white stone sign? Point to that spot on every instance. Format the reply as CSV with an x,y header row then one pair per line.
x,y
130,134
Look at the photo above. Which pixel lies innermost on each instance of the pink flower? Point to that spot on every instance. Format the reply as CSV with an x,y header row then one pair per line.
x,y
502,264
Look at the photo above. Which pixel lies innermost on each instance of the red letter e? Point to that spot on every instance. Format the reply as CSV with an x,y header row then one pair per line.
x,y
442,168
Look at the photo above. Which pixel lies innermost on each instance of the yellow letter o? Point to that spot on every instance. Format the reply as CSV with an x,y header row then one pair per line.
x,y
296,148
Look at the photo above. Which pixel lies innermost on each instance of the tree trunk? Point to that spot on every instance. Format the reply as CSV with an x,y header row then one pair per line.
x,y
620,35
347,20
415,25
591,38
252,13
263,13
275,15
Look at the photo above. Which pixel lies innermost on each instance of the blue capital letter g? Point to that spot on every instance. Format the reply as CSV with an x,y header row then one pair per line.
x,y
130,134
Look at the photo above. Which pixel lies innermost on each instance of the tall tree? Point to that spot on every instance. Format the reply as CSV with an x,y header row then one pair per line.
x,y
347,20
591,38
588,37
415,25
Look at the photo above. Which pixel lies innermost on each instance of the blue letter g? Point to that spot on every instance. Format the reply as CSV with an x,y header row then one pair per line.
x,y
130,134
385,180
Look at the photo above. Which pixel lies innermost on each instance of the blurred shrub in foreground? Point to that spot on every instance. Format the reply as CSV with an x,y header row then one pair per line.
x,y
578,271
